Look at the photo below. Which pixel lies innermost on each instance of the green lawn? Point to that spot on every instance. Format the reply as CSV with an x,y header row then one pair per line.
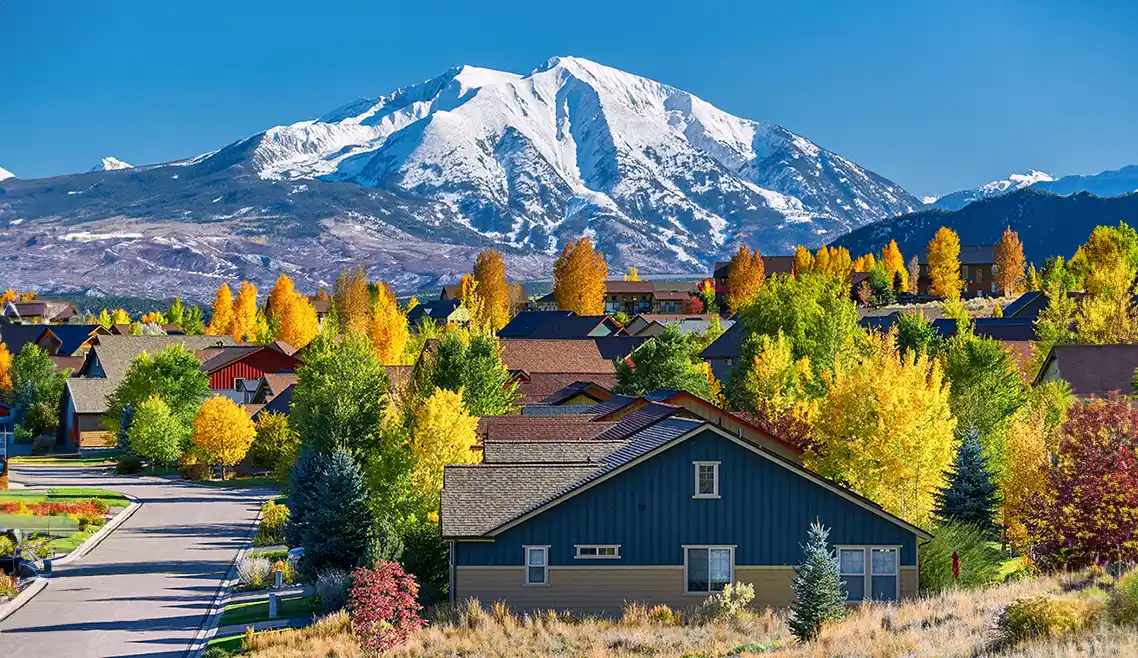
x,y
100,459
271,556
220,646
61,528
252,612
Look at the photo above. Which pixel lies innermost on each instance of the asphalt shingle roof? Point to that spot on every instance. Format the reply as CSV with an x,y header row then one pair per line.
x,y
547,452
1096,369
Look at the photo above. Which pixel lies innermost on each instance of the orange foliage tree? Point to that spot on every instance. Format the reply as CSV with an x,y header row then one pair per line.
x,y
223,430
352,300
244,323
490,273
745,273
222,316
895,264
387,328
579,279
1010,263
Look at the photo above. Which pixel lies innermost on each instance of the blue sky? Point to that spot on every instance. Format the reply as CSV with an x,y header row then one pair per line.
x,y
935,96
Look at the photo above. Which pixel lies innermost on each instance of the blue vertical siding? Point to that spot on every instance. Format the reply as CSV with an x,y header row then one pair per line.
x,y
764,509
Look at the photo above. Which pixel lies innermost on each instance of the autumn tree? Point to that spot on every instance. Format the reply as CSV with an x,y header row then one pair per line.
x,y
1106,315
471,295
1010,263
223,430
892,443
490,273
775,388
352,300
299,323
664,362
387,328
222,317
914,270
443,433
1053,326
706,294
120,316
944,264
275,444
1090,512
745,274
579,276
281,296
894,264
174,374
243,326
472,365
803,260
5,372
633,274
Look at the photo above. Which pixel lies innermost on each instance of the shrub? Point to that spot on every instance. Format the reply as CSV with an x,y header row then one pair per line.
x,y
1046,617
88,520
332,589
43,445
274,518
288,572
427,557
23,436
383,606
7,547
634,614
1124,599
7,587
725,605
473,616
663,615
128,464
751,647
256,572
980,560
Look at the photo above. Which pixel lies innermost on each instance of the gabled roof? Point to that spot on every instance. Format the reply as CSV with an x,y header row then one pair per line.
x,y
71,336
1017,329
587,388
545,410
1093,369
525,323
439,309
558,325
727,346
281,404
563,356
539,386
535,428
273,384
547,452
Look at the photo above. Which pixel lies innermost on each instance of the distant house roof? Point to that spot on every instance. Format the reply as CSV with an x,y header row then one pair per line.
x,y
1030,304
70,337
670,295
540,386
970,254
450,292
727,346
272,384
558,324
584,356
1016,329
588,388
628,287
281,404
321,306
439,309
1092,369
771,265
643,324
525,323
48,310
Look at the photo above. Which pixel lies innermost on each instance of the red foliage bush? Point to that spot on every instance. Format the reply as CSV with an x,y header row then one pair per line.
x,y
383,606
693,305
1090,515
49,508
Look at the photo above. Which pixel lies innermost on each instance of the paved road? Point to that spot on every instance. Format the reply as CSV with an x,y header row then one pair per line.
x,y
146,589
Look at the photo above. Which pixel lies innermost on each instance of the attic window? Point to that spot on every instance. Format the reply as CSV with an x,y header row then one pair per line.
x,y
598,551
706,479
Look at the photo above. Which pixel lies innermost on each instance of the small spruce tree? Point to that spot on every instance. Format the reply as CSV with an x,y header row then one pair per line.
x,y
126,417
817,585
301,494
969,494
339,525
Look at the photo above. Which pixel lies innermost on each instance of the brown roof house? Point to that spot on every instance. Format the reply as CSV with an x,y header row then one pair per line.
x,y
38,311
85,395
977,270
1092,370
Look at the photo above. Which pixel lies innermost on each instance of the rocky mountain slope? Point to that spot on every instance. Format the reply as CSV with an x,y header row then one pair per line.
x,y
1048,224
414,183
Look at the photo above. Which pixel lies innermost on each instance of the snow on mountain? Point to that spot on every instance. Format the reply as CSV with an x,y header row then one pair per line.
x,y
534,160
111,164
1114,182
958,200
4,173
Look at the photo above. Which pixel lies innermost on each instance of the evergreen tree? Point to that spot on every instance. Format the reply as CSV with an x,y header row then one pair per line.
x,y
817,585
302,485
126,417
969,495
338,527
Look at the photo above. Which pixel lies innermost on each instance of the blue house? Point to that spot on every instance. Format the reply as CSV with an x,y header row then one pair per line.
x,y
669,513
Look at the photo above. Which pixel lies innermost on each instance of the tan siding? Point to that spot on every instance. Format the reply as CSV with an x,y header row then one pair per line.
x,y
96,440
772,585
909,582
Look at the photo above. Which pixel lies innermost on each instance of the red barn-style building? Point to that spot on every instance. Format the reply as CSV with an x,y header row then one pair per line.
x,y
236,371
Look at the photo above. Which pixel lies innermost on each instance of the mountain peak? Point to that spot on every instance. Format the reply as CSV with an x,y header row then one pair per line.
x,y
4,173
111,164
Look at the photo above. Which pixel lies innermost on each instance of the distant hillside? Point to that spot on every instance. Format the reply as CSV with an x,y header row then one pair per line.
x,y
1048,224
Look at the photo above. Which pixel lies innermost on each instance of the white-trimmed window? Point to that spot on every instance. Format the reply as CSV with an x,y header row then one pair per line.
x,y
598,551
537,565
706,479
708,569
870,573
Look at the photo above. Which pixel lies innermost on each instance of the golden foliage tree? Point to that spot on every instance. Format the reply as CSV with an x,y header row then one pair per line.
x,y
351,299
864,263
490,273
944,264
774,385
442,433
803,260
745,273
885,429
281,297
1106,314
5,370
222,317
579,276
633,274
834,261
387,327
1010,263
1025,480
895,263
471,295
914,274
120,316
243,326
299,324
9,296
223,430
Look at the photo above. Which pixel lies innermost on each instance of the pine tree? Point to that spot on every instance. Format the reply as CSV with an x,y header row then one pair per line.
x,y
1010,263
579,276
969,495
222,316
944,264
490,273
339,524
126,417
817,585
305,477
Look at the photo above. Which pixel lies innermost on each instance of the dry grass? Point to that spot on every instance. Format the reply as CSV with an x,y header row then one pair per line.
x,y
960,623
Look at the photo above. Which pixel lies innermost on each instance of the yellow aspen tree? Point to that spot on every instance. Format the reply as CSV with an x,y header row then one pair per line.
x,y
298,324
579,276
914,269
222,430
243,326
1024,482
1106,315
745,275
633,274
120,316
281,296
387,328
944,264
9,296
352,300
840,264
490,273
895,263
1010,263
822,260
803,260
891,443
5,370
222,316
443,432
471,295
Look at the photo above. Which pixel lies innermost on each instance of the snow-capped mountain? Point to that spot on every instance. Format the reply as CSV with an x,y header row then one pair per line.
x,y
4,173
656,176
111,164
1114,182
958,200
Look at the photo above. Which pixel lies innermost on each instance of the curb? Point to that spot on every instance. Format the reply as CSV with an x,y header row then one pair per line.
x,y
208,628
97,538
22,598
237,630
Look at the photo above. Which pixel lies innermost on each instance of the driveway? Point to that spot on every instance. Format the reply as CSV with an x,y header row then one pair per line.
x,y
146,589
